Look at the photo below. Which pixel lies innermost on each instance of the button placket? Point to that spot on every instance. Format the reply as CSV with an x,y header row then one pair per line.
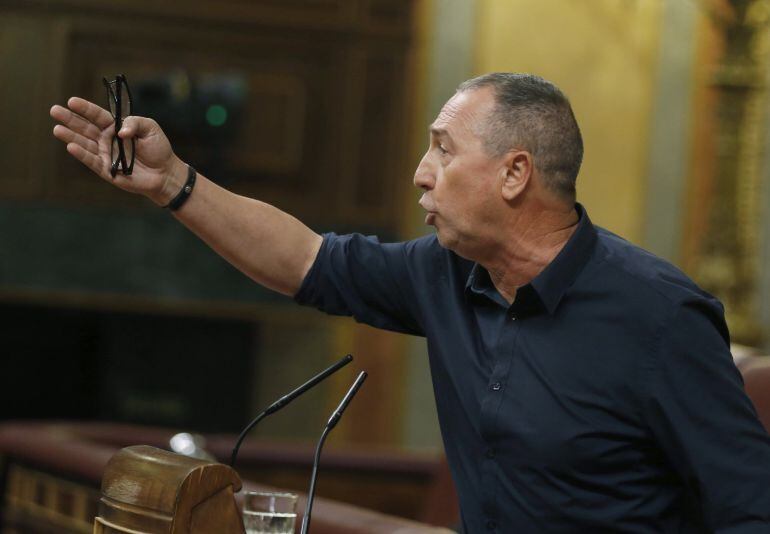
x,y
490,412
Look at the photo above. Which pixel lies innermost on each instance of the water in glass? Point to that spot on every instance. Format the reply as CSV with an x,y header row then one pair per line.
x,y
269,522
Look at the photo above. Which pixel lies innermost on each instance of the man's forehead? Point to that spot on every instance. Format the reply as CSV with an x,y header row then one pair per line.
x,y
464,109
449,112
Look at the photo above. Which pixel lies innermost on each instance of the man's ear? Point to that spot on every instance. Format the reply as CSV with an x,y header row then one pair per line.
x,y
518,170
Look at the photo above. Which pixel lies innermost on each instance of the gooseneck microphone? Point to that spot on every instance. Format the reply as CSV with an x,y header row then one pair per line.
x,y
333,420
286,399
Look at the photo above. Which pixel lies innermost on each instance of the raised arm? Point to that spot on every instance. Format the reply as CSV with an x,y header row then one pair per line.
x,y
270,246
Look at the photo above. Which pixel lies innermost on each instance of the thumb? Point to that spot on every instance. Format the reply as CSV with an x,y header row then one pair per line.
x,y
136,127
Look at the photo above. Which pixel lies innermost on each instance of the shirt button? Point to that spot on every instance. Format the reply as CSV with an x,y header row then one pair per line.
x,y
496,386
491,525
513,317
490,453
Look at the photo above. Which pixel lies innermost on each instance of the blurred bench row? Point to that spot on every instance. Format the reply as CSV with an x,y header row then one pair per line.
x,y
51,472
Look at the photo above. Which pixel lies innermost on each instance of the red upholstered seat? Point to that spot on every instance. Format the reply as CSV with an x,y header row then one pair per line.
x,y
756,377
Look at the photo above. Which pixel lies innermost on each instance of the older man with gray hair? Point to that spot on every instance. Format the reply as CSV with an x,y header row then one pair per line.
x,y
582,384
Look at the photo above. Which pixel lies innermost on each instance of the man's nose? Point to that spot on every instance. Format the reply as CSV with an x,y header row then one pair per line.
x,y
423,176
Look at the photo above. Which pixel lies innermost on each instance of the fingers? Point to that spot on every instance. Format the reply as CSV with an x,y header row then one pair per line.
x,y
89,159
62,133
75,122
136,127
93,113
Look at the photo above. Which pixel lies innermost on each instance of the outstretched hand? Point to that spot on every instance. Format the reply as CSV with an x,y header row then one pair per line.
x,y
87,129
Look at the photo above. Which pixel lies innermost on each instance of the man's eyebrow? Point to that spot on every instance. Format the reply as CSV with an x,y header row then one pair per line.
x,y
439,132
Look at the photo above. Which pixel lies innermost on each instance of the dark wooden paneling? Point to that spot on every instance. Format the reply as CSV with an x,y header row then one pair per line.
x,y
279,151
125,367
319,131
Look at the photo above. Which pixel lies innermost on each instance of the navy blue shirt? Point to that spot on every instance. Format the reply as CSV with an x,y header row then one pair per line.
x,y
604,398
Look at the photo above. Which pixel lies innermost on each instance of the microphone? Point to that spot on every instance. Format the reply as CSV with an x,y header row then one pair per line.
x,y
333,420
286,399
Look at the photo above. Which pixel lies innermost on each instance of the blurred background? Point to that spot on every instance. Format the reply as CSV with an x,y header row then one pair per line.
x,y
112,311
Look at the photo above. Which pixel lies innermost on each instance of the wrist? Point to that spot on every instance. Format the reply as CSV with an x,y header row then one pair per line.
x,y
184,194
173,182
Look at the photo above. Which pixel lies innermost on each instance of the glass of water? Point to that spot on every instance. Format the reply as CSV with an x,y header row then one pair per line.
x,y
269,513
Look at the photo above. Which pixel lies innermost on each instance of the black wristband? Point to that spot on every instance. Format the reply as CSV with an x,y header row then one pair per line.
x,y
181,198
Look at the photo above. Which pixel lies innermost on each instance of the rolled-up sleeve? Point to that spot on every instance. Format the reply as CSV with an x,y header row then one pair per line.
x,y
706,425
358,276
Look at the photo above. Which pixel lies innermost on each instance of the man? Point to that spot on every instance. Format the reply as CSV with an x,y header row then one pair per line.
x,y
582,384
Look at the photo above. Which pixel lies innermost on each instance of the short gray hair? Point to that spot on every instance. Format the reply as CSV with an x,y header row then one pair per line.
x,y
533,114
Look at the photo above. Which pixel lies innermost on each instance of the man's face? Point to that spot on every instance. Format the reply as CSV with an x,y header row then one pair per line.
x,y
461,182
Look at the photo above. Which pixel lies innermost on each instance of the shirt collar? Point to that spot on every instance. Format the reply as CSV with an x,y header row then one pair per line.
x,y
552,283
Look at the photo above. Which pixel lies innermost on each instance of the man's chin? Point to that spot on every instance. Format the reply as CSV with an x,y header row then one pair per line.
x,y
444,240
452,242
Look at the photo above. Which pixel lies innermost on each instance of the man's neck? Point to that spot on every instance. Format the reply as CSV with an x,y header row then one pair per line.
x,y
530,242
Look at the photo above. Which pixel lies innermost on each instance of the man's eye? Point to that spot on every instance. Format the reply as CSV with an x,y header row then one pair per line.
x,y
442,149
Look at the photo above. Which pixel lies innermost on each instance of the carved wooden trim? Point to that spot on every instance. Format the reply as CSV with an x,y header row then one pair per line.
x,y
723,256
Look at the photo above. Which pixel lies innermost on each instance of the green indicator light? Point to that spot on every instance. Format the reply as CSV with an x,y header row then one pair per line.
x,y
216,115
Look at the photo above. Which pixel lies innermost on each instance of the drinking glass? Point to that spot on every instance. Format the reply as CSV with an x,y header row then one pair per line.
x,y
269,513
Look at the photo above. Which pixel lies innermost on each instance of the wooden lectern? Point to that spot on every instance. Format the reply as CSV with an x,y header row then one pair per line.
x,y
147,491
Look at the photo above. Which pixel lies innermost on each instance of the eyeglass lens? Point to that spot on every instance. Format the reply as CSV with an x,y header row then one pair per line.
x,y
125,102
128,149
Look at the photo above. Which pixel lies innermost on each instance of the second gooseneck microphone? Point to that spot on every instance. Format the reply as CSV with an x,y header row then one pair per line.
x,y
286,399
333,420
